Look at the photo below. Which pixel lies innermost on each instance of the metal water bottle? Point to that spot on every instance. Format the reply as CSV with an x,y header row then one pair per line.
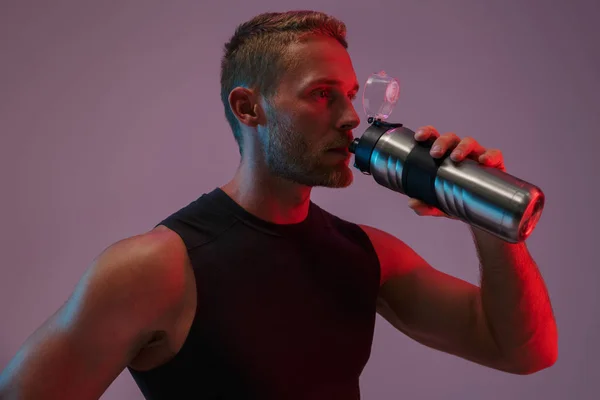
x,y
481,196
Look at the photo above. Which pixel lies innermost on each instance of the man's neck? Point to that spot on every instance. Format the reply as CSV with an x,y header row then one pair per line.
x,y
267,197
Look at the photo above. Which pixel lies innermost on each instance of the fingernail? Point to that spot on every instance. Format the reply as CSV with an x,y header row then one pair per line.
x,y
436,149
419,133
456,154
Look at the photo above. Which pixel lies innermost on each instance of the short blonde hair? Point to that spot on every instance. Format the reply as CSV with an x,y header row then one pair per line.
x,y
255,56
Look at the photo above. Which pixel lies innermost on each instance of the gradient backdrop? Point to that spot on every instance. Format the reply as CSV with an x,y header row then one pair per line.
x,y
110,120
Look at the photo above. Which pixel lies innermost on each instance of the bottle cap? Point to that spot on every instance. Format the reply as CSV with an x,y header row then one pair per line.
x,y
380,95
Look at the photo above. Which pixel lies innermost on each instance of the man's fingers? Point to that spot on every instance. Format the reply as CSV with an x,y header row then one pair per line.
x,y
426,132
444,143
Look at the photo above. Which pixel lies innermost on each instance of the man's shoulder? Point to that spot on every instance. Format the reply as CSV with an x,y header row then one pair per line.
x,y
162,240
395,256
385,243
152,246
155,259
198,222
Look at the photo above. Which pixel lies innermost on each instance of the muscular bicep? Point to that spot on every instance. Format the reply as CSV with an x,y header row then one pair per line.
x,y
430,306
434,308
440,311
122,298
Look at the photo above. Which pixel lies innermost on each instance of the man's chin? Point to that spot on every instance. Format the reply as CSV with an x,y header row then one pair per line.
x,y
338,185
338,179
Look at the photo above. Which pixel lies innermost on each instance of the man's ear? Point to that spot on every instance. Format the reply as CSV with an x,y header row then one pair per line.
x,y
246,106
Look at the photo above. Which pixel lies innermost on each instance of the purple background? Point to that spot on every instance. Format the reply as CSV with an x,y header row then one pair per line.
x,y
110,120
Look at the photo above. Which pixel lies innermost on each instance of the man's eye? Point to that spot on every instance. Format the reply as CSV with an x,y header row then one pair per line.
x,y
323,94
328,94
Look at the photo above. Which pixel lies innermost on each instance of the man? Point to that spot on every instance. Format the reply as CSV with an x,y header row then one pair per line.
x,y
254,292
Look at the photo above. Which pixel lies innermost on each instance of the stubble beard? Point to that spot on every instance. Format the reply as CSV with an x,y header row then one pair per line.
x,y
288,155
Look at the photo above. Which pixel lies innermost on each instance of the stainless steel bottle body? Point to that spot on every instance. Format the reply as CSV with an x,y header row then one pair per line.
x,y
484,197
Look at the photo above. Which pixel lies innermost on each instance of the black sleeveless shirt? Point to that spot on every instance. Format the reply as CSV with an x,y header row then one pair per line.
x,y
283,312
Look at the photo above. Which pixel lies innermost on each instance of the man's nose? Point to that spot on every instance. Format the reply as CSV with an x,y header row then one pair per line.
x,y
350,118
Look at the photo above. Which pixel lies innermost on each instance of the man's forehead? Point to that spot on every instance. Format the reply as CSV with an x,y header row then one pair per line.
x,y
322,61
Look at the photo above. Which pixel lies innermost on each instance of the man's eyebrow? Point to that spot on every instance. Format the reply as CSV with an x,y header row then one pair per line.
x,y
335,82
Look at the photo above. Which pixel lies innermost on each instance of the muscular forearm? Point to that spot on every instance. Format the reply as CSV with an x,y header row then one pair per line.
x,y
515,303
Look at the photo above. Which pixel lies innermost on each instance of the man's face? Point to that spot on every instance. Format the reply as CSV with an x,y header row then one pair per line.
x,y
311,117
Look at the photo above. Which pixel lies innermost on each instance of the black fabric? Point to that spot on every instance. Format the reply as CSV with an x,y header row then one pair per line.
x,y
419,173
284,311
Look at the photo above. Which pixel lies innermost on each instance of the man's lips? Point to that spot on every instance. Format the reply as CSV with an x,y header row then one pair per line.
x,y
340,150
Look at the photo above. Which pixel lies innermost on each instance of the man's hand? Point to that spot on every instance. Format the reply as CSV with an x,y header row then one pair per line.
x,y
461,149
